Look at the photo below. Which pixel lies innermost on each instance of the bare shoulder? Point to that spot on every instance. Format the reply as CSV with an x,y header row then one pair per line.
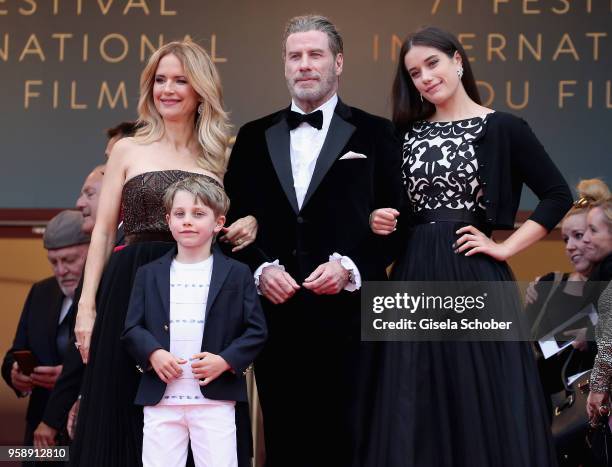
x,y
129,153
121,149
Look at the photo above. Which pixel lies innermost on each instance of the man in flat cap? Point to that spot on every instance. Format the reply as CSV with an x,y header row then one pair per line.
x,y
44,324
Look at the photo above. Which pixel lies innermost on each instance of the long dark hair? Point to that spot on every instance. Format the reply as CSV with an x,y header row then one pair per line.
x,y
407,105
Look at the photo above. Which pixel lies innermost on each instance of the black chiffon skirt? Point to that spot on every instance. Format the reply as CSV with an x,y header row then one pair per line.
x,y
453,404
109,427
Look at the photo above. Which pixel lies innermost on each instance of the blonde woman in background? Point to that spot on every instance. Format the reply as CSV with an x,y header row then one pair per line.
x,y
554,298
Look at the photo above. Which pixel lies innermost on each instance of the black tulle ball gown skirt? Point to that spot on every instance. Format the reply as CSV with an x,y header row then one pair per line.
x,y
455,404
109,425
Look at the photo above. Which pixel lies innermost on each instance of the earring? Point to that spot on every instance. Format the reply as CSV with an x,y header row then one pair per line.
x,y
200,108
460,72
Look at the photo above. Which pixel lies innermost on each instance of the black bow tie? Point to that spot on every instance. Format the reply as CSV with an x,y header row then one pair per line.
x,y
315,119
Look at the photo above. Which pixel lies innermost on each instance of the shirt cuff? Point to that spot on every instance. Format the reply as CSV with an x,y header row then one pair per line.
x,y
260,269
354,275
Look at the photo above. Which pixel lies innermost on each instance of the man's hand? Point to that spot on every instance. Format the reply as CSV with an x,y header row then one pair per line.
x,y
277,285
44,436
209,367
20,381
46,376
166,365
72,418
328,279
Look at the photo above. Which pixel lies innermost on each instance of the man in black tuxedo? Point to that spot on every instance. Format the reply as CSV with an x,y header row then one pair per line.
x,y
44,324
311,174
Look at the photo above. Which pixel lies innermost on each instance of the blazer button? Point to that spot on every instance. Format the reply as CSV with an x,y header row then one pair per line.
x,y
165,327
294,252
300,220
487,202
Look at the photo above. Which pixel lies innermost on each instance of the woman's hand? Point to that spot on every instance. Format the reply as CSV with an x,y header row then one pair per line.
x,y
383,221
473,241
597,404
85,319
241,233
531,294
580,341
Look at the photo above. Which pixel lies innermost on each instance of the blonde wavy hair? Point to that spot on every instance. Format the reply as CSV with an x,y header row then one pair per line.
x,y
592,193
212,125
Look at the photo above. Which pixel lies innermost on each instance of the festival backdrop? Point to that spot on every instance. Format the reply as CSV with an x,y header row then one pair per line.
x,y
69,69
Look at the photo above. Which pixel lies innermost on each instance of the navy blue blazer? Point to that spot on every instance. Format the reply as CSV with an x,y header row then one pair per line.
x,y
234,326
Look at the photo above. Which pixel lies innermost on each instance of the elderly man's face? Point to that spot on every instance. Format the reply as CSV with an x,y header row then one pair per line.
x,y
311,70
87,202
67,264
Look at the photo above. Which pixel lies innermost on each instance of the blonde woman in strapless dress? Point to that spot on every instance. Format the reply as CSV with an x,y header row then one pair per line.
x,y
183,131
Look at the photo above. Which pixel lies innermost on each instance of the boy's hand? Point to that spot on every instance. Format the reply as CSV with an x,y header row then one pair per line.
x,y
166,365
208,367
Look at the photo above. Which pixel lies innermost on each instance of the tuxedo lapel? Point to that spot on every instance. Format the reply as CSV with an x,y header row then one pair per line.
x,y
277,139
340,131
220,270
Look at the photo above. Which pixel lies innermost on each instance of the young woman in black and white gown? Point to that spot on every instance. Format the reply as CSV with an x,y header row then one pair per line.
x,y
452,404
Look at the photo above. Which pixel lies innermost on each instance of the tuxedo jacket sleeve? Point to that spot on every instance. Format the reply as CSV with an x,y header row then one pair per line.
x,y
20,343
37,332
237,183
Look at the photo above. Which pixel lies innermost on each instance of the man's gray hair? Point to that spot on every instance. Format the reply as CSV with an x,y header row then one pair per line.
x,y
314,23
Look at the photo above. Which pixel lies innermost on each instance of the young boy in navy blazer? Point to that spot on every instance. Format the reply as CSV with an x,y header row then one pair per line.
x,y
194,325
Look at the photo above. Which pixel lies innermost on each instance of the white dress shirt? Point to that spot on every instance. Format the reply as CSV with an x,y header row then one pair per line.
x,y
306,143
305,146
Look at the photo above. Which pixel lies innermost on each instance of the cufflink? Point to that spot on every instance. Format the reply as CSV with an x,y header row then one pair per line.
x,y
351,276
139,368
165,327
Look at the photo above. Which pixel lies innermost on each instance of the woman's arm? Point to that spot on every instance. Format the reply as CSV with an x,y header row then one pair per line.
x,y
536,170
473,241
102,243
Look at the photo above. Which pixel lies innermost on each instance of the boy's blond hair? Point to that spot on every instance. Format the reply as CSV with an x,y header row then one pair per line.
x,y
210,194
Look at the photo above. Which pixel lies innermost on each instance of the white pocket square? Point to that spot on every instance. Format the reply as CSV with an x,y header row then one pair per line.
x,y
353,155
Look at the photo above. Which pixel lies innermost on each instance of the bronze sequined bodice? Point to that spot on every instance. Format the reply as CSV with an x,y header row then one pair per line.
x,y
144,216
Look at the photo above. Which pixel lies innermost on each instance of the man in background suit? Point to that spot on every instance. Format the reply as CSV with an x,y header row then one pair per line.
x,y
44,324
63,403
311,174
